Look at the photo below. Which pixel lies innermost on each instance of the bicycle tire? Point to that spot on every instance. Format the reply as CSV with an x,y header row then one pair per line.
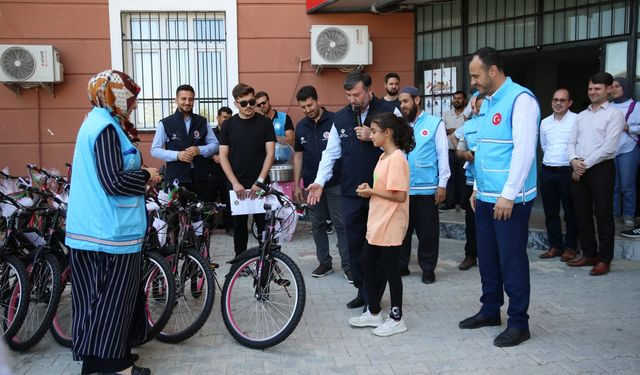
x,y
62,324
191,265
160,293
44,294
239,298
14,287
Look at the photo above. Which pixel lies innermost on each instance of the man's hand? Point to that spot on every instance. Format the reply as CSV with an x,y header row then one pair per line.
x,y
193,150
364,190
239,189
472,201
216,159
154,176
579,166
185,156
254,191
502,209
468,156
441,195
298,195
363,133
575,176
451,131
314,193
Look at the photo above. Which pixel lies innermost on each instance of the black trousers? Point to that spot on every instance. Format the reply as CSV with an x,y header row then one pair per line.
x,y
594,194
555,190
471,245
241,233
425,220
375,258
219,189
457,181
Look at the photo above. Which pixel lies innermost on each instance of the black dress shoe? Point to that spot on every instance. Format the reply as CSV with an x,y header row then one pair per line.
x,y
355,303
428,277
478,321
467,263
134,371
511,337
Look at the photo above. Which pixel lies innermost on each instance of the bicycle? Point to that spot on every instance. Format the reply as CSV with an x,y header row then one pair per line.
x,y
264,293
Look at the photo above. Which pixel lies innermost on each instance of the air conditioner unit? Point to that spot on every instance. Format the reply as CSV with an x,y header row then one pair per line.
x,y
339,45
25,64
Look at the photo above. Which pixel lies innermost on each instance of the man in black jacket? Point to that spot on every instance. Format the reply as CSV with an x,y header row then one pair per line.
x,y
186,143
349,142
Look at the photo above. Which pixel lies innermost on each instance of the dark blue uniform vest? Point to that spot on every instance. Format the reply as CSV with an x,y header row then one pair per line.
x,y
359,158
179,140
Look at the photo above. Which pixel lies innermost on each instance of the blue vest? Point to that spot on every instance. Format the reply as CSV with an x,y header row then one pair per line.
x,y
495,146
96,221
279,123
470,129
178,140
423,159
358,158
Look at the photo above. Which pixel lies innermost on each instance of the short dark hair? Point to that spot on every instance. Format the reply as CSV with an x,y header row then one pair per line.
x,y
307,92
464,94
260,94
226,110
602,78
391,75
565,89
242,89
185,88
489,56
357,76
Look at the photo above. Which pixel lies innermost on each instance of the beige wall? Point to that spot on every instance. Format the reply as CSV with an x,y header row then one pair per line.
x,y
273,36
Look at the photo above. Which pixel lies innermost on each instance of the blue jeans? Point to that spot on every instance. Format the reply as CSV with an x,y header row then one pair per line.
x,y
625,182
503,262
330,206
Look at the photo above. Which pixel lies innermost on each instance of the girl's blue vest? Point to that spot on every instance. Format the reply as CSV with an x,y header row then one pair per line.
x,y
97,221
495,146
423,159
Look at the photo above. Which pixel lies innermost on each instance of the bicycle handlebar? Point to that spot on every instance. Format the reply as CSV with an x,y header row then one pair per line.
x,y
44,193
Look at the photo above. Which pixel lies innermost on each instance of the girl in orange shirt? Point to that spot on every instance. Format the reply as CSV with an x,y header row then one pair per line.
x,y
388,220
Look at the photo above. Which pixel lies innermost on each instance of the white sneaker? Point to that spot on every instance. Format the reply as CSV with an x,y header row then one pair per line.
x,y
390,327
366,320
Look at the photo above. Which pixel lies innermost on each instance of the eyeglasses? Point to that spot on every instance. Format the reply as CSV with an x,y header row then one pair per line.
x,y
244,103
559,100
261,104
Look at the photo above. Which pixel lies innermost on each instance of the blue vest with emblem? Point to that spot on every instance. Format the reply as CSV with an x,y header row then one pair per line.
x,y
97,221
423,159
495,146
279,123
470,137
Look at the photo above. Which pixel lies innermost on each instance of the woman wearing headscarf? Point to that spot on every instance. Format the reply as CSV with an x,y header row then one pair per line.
x,y
628,153
105,227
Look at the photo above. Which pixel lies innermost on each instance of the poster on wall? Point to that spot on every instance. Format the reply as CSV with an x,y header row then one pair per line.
x,y
440,81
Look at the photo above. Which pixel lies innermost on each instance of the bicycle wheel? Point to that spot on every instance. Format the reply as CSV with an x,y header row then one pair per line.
x,y
44,294
62,324
192,307
261,316
14,288
160,292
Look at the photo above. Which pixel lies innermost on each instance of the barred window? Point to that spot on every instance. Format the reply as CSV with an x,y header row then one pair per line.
x,y
162,51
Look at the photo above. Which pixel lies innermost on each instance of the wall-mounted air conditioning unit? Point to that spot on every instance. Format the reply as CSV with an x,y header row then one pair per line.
x,y
339,45
30,64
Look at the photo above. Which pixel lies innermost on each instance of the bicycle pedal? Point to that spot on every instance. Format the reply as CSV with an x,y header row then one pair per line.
x,y
213,266
282,282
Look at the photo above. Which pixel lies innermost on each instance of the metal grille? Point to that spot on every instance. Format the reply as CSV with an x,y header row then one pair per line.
x,y
161,51
502,24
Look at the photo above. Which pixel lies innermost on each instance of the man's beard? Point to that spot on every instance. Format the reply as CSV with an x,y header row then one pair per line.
x,y
393,92
458,106
413,112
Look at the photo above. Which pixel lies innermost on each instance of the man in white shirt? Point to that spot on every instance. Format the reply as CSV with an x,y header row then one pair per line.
x,y
555,178
503,195
592,146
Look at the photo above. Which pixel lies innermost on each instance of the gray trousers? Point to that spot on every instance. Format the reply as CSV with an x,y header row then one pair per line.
x,y
330,206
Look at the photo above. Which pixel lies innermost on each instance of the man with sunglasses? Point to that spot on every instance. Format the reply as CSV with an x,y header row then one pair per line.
x,y
282,124
186,143
247,147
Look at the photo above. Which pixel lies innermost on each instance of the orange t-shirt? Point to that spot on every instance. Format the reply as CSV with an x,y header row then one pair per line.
x,y
388,220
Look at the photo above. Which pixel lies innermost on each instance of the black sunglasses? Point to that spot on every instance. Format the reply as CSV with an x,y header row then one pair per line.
x,y
244,103
261,103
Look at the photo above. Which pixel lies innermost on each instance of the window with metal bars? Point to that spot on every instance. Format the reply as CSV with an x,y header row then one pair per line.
x,y
162,51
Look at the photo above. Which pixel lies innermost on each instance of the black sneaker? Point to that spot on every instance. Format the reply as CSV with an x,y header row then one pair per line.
x,y
329,227
321,271
347,275
631,233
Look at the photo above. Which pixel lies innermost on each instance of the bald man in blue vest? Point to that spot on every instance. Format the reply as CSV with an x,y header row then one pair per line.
x,y
504,191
